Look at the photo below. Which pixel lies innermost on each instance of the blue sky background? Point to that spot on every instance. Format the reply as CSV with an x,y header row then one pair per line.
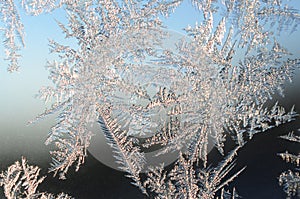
x,y
17,90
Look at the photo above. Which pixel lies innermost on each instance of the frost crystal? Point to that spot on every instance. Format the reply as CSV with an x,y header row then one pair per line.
x,y
13,32
187,181
21,180
215,83
290,180
203,82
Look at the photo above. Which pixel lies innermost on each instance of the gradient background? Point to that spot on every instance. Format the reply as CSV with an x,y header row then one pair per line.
x,y
95,180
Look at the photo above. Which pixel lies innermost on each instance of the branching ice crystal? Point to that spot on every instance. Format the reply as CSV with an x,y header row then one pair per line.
x,y
13,32
215,83
21,180
186,180
290,180
127,155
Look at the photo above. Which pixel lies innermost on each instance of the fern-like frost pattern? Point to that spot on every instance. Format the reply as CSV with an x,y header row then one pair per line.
x,y
21,180
213,86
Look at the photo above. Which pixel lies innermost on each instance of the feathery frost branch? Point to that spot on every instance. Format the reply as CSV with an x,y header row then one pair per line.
x,y
290,180
216,81
187,180
127,155
21,180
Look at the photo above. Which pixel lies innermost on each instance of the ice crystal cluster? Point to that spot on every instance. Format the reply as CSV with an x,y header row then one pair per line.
x,y
21,180
212,87
290,180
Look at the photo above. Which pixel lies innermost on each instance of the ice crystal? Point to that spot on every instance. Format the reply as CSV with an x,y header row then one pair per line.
x,y
127,155
13,31
290,180
201,85
83,81
216,82
21,180
186,180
